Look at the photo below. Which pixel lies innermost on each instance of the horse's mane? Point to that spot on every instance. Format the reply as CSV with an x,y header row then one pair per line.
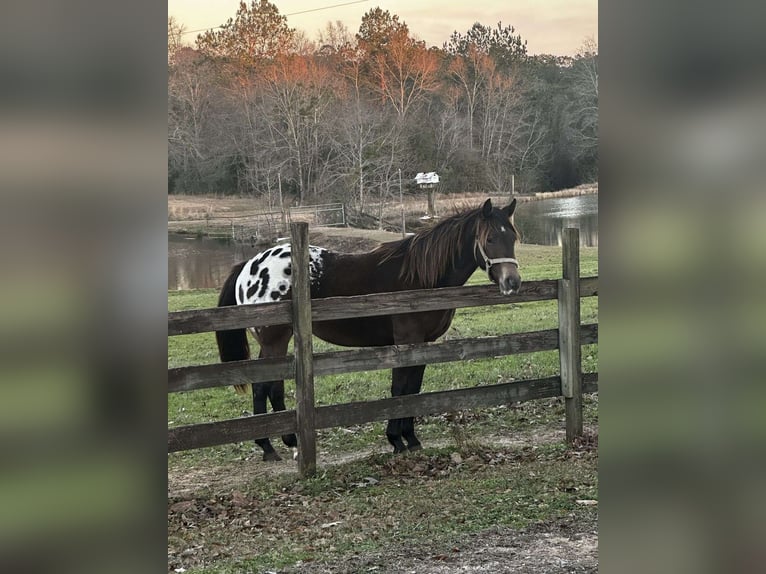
x,y
427,255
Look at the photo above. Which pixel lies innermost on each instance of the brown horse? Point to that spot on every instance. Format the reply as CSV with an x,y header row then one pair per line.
x,y
445,255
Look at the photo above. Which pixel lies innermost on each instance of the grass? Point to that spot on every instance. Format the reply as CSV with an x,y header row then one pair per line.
x,y
377,500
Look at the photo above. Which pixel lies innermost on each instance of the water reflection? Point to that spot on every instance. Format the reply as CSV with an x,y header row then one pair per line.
x,y
198,263
542,222
195,263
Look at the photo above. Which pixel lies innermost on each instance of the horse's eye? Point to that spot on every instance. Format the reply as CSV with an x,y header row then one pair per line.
x,y
490,240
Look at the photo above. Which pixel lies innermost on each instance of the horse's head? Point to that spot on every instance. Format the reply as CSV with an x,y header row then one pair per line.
x,y
495,243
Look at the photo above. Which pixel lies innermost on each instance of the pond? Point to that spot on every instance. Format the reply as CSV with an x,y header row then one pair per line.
x,y
197,263
541,222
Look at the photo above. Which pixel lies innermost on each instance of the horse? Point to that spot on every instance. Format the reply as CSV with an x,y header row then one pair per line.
x,y
444,255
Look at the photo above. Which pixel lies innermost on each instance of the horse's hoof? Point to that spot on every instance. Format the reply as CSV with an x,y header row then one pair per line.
x,y
295,453
271,456
414,447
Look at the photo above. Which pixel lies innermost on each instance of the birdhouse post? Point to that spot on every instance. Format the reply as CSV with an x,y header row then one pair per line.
x,y
428,181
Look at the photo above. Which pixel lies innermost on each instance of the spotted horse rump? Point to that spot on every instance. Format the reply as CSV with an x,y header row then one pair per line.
x,y
267,277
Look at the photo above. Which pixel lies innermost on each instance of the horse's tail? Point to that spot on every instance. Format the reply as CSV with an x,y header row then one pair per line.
x,y
232,344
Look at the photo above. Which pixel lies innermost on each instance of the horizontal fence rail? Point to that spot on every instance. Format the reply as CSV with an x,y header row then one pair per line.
x,y
348,414
305,365
326,215
332,308
370,359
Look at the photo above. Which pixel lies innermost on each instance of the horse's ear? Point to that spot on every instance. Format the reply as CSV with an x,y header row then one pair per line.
x,y
486,209
509,209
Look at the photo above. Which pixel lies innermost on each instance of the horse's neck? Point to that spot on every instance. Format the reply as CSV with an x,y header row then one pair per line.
x,y
460,270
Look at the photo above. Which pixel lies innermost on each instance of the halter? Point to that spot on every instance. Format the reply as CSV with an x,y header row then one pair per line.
x,y
490,262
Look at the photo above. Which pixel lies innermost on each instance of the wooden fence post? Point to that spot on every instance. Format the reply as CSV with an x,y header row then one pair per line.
x,y
569,333
304,364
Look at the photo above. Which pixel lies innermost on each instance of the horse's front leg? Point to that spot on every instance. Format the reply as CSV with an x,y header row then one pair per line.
x,y
274,342
404,381
394,427
414,383
277,398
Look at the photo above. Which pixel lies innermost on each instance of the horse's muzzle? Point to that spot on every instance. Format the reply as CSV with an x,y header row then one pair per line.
x,y
508,279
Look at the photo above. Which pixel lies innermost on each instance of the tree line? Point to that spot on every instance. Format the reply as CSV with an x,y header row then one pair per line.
x,y
256,108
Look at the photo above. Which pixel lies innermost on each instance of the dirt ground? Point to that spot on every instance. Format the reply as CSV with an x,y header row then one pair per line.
x,y
550,548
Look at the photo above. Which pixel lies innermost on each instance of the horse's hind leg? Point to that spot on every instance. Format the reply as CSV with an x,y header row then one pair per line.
x,y
277,398
260,392
278,340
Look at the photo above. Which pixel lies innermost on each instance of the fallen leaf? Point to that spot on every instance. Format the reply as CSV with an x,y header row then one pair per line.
x,y
331,524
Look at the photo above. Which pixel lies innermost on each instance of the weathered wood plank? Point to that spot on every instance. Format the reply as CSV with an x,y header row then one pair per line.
x,y
304,350
232,373
274,424
369,359
330,308
229,431
569,333
235,317
437,402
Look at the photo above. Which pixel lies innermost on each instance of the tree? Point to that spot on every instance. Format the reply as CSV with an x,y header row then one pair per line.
x,y
360,134
400,69
238,52
582,124
377,29
255,33
405,74
256,104
471,71
175,38
335,38
506,48
298,91
198,152
486,66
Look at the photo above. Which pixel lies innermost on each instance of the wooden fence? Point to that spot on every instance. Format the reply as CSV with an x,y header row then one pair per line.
x,y
304,365
262,227
265,227
326,215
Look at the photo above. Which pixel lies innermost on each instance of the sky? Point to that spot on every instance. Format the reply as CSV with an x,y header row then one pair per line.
x,y
556,27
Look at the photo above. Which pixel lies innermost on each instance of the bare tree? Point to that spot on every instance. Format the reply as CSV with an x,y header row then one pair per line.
x,y
582,124
191,149
299,91
472,73
513,131
450,129
405,74
361,132
335,37
175,38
